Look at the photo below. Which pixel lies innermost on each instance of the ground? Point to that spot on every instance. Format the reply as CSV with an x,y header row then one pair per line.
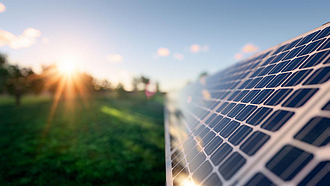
x,y
95,141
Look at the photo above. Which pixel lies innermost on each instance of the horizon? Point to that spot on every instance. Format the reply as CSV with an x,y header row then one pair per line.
x,y
171,43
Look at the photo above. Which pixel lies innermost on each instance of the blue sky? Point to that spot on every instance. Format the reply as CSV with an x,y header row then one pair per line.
x,y
91,31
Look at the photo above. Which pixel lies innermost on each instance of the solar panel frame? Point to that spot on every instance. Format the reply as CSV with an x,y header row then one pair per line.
x,y
283,136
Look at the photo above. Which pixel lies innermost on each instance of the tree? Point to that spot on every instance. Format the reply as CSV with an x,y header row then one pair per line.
x,y
87,82
121,92
3,72
203,75
157,87
49,74
105,85
202,78
37,83
135,82
18,82
145,81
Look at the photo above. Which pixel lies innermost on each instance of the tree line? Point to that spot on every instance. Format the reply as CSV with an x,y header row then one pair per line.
x,y
17,81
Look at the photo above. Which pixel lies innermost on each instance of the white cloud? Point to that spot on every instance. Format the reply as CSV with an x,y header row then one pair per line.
x,y
178,56
250,48
2,8
22,41
31,32
6,37
195,48
198,48
163,52
238,56
114,58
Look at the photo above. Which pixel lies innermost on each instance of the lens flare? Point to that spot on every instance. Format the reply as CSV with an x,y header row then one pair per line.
x,y
67,84
67,65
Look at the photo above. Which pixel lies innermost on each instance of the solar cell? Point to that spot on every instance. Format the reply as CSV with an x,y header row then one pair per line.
x,y
258,115
327,106
231,165
262,121
308,38
318,176
326,45
300,97
294,64
321,75
260,180
204,170
213,180
288,162
239,134
315,132
213,145
254,143
277,120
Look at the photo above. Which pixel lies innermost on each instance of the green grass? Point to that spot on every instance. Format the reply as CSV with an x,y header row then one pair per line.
x,y
99,142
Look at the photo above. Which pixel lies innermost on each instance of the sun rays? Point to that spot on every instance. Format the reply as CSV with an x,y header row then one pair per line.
x,y
66,83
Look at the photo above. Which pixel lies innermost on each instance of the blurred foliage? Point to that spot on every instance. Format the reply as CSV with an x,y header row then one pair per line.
x,y
145,81
18,81
3,72
103,141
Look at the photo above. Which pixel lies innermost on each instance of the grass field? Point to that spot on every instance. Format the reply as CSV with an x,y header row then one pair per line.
x,y
99,141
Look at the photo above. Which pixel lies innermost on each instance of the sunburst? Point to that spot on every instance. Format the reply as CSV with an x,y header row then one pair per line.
x,y
69,83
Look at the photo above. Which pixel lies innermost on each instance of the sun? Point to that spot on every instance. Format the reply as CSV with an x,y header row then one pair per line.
x,y
67,65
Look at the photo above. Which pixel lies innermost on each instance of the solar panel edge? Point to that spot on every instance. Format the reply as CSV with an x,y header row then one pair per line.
x,y
271,49
168,160
275,47
325,87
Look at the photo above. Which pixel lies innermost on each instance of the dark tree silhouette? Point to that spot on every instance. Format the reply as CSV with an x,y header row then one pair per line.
x,y
87,82
203,74
3,72
18,82
121,92
135,82
145,81
157,86
37,83
52,82
81,84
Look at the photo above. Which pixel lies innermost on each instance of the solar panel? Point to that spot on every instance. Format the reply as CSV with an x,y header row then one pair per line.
x,y
262,121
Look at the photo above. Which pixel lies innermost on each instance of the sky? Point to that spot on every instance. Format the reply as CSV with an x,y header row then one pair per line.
x,y
171,42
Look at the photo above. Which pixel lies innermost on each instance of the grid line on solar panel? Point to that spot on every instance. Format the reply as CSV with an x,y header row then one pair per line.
x,y
267,53
239,94
315,135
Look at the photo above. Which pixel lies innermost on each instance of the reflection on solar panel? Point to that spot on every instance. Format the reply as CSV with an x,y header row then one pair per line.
x,y
262,121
